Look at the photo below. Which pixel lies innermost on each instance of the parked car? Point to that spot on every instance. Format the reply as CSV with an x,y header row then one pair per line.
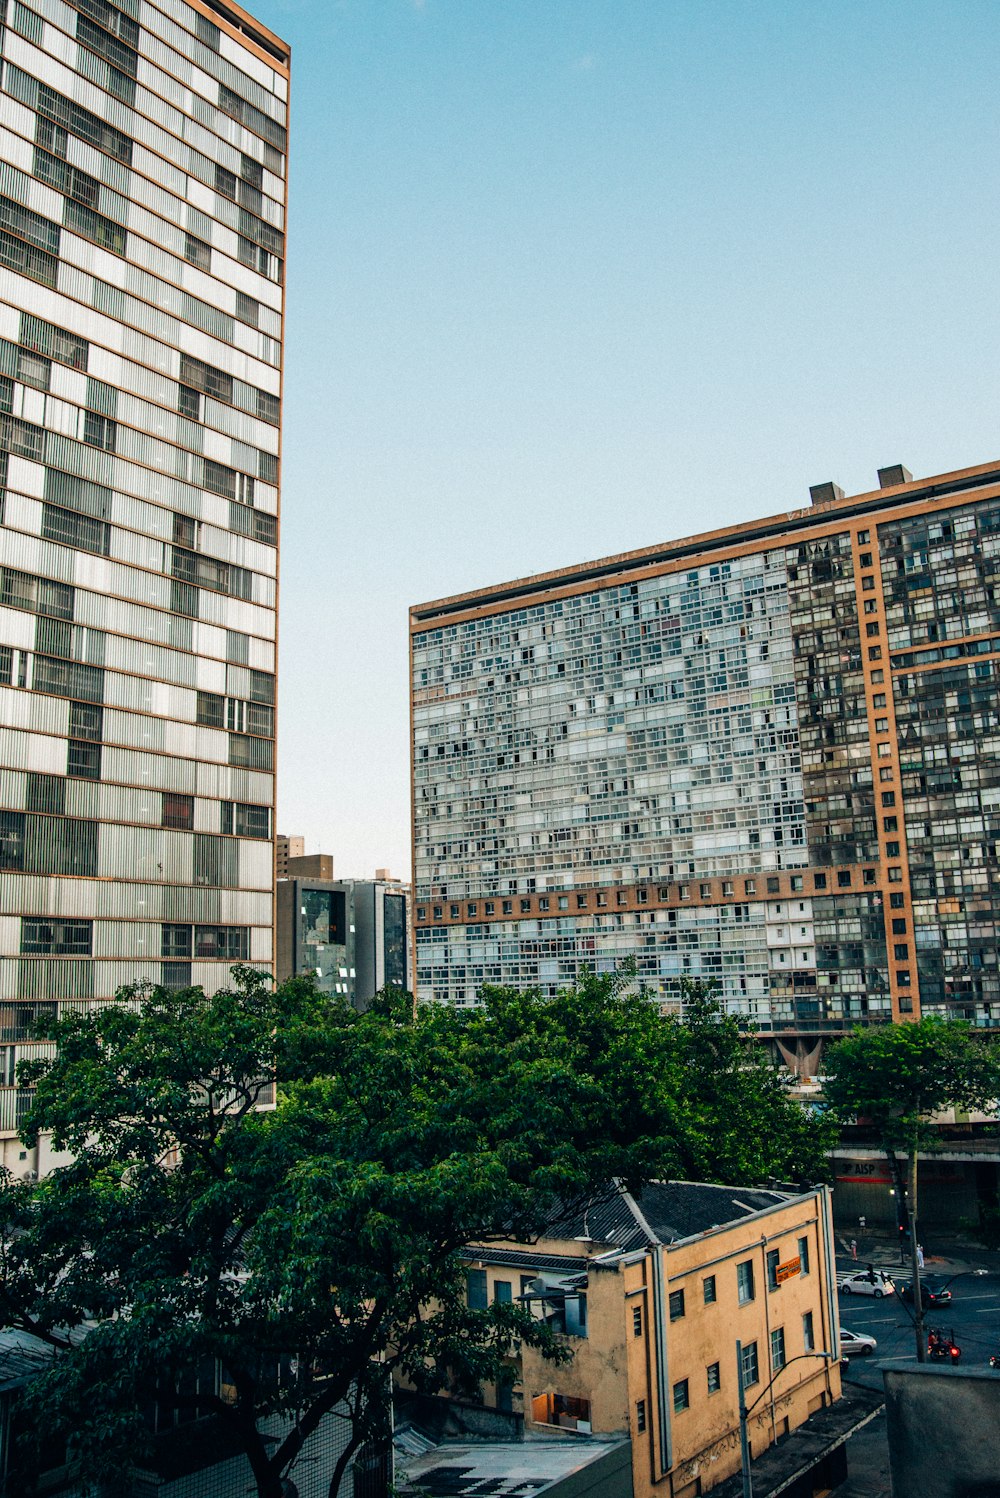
x,y
856,1344
866,1282
933,1292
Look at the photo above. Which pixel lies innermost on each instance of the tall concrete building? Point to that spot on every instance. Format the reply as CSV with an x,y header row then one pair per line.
x,y
142,201
286,848
768,755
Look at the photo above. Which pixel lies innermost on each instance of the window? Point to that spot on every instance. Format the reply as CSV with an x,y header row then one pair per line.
x,y
189,402
177,811
245,820
676,1304
211,709
53,342
744,1281
475,1287
46,793
749,1366
898,926
808,1333
175,941
503,1292
197,252
819,881
640,1415
215,860
708,1289
83,761
68,679
637,1321
804,1256
176,975
681,1399
777,1349
227,943
773,1259
58,938
714,1378
843,878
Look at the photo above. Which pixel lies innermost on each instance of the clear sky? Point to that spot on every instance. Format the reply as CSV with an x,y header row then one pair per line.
x,y
568,277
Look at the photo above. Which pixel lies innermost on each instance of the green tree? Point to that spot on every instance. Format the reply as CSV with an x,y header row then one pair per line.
x,y
741,1127
897,1077
315,1249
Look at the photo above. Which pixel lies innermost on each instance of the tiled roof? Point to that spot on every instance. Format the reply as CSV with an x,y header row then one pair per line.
x,y
679,1209
22,1356
663,1212
524,1258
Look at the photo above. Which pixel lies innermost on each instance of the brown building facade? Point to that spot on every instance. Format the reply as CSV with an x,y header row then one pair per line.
x,y
767,755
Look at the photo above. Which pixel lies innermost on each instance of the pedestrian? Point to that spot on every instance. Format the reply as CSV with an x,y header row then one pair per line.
x,y
854,1248
862,1222
920,1257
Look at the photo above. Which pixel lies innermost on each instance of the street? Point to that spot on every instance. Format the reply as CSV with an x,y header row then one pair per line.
x,y
973,1314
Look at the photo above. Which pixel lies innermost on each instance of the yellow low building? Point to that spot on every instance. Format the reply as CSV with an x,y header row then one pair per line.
x,y
653,1296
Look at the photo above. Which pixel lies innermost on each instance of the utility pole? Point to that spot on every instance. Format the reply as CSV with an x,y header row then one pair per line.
x,y
745,1412
744,1436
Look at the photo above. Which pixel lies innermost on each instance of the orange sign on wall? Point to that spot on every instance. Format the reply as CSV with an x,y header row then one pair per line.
x,y
787,1269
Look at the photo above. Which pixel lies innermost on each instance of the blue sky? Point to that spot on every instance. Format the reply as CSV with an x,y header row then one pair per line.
x,y
568,277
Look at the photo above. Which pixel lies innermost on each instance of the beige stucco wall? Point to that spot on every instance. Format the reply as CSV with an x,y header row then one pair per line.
x,y
614,1369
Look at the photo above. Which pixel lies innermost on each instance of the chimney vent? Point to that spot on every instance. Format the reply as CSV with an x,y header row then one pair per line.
x,y
824,494
895,474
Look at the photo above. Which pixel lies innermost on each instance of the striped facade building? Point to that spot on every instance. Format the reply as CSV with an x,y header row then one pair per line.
x,y
142,200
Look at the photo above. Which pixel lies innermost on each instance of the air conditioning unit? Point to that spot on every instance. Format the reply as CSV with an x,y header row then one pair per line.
x,y
30,1175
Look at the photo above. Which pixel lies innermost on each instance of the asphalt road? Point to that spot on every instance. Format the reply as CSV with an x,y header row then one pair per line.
x,y
974,1314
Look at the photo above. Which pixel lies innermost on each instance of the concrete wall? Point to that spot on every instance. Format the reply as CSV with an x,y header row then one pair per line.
x,y
944,1432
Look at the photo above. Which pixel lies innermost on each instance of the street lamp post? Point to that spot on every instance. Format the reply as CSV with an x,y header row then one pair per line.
x,y
745,1411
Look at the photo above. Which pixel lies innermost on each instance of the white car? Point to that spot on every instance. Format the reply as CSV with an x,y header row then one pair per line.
x,y
856,1344
867,1282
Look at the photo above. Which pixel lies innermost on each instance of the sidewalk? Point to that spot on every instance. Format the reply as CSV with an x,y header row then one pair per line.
x,y
881,1250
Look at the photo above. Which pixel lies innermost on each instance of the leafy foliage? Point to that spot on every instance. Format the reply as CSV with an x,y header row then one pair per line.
x,y
897,1076
314,1249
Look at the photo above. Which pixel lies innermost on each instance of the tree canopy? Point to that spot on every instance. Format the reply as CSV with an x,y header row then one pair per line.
x,y
312,1249
898,1076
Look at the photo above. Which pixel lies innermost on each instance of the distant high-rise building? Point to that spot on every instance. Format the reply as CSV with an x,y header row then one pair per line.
x,y
142,202
286,848
349,934
768,755
311,866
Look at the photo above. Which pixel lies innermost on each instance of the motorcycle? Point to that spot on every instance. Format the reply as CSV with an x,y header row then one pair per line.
x,y
942,1347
